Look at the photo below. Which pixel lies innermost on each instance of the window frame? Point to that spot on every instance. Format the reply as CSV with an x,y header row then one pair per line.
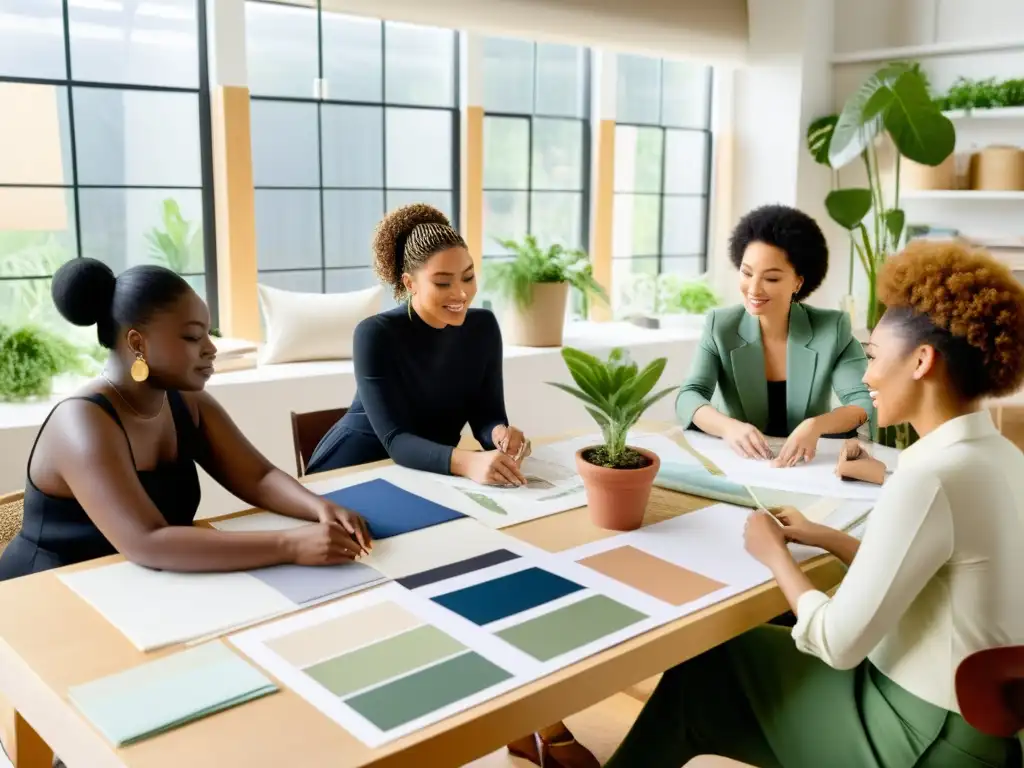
x,y
661,195
202,92
586,121
383,105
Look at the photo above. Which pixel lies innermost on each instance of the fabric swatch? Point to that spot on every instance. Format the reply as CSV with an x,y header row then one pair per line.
x,y
373,664
508,595
316,643
571,627
428,690
653,576
303,583
390,510
164,694
469,565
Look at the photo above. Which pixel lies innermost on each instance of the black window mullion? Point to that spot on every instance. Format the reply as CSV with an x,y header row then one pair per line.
x,y
384,118
71,129
212,279
320,141
661,196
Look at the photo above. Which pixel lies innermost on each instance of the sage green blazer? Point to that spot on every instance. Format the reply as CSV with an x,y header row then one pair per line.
x,y
822,357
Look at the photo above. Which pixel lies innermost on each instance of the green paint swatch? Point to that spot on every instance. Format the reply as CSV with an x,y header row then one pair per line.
x,y
381,661
423,692
486,502
558,632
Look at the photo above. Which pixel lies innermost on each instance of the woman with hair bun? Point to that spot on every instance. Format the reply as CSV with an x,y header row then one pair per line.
x,y
113,468
423,371
427,367
937,576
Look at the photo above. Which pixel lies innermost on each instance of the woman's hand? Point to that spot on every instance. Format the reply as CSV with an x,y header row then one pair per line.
x,y
747,441
320,544
800,446
855,463
353,524
797,527
852,450
763,538
511,441
494,468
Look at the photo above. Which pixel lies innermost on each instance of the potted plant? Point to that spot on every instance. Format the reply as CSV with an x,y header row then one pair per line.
x,y
179,245
31,357
683,303
534,286
893,103
617,477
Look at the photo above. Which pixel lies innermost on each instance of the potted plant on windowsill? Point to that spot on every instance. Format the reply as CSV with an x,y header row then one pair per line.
x,y
617,477
534,286
683,303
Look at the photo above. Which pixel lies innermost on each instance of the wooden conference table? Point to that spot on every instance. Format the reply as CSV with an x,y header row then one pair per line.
x,y
51,640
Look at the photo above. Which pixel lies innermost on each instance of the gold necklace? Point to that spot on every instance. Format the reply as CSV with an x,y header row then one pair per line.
x,y
130,406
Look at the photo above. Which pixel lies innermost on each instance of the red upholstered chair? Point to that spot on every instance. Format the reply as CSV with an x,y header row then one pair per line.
x,y
990,690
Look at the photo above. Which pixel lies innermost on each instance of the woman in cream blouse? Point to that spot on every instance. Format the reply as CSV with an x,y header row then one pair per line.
x,y
939,574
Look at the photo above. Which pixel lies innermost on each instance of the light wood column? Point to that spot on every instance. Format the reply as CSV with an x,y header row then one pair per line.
x,y
472,182
602,226
236,215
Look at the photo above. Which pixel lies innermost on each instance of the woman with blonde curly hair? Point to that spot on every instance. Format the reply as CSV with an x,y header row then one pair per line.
x,y
937,576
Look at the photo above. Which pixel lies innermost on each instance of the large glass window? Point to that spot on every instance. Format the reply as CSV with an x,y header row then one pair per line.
x,y
104,144
351,117
662,168
536,143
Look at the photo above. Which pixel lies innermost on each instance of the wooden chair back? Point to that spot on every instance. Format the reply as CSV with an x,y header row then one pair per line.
x,y
990,690
308,429
12,510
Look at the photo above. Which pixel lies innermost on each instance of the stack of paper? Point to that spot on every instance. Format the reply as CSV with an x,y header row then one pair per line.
x,y
170,692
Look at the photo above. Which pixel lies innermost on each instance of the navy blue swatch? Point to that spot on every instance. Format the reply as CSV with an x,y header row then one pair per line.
x,y
507,595
390,510
434,575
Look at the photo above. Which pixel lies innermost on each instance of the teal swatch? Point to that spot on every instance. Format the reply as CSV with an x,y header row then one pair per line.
x,y
169,692
428,690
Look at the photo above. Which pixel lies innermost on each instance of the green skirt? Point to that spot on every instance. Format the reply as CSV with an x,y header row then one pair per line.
x,y
759,700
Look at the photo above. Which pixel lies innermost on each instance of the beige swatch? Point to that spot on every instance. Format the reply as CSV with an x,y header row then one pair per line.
x,y
651,575
345,633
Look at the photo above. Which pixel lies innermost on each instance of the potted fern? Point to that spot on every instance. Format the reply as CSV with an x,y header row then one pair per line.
x,y
617,477
534,287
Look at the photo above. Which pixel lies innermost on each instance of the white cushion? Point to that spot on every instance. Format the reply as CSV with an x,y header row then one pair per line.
x,y
313,326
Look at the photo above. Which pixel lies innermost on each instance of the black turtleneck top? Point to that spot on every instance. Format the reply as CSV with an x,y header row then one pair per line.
x,y
416,389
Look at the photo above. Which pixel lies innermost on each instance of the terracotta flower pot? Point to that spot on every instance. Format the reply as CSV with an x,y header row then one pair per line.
x,y
540,324
617,498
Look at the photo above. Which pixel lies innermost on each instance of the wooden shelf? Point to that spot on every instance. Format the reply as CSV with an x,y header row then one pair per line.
x,y
960,194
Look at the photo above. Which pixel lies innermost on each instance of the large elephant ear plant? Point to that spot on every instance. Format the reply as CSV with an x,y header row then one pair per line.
x,y
895,102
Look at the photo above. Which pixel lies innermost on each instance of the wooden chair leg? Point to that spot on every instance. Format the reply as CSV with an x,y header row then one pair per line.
x,y
29,751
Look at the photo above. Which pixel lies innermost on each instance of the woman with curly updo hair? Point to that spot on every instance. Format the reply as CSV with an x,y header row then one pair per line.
x,y
937,576
427,367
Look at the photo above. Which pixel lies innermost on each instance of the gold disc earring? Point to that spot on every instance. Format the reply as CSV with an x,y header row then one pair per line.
x,y
140,368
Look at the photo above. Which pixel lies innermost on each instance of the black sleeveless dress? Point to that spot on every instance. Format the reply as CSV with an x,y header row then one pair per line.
x,y
57,531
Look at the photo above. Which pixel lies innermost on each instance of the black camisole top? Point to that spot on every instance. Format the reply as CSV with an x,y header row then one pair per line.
x,y
57,531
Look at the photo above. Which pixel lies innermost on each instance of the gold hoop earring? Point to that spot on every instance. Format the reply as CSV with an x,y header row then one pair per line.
x,y
140,368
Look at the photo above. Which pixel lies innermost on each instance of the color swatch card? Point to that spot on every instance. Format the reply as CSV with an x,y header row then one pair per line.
x,y
169,692
154,609
817,477
377,665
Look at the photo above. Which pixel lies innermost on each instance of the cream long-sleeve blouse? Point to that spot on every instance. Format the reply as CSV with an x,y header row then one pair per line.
x,y
940,571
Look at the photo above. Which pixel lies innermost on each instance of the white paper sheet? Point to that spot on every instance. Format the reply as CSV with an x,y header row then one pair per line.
x,y
259,521
818,477
154,609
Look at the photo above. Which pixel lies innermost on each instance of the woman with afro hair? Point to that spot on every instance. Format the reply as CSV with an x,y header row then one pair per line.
x,y
936,577
775,361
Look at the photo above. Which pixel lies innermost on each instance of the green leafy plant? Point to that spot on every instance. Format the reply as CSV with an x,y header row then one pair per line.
x,y
988,93
179,245
678,295
893,102
514,279
616,393
29,359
